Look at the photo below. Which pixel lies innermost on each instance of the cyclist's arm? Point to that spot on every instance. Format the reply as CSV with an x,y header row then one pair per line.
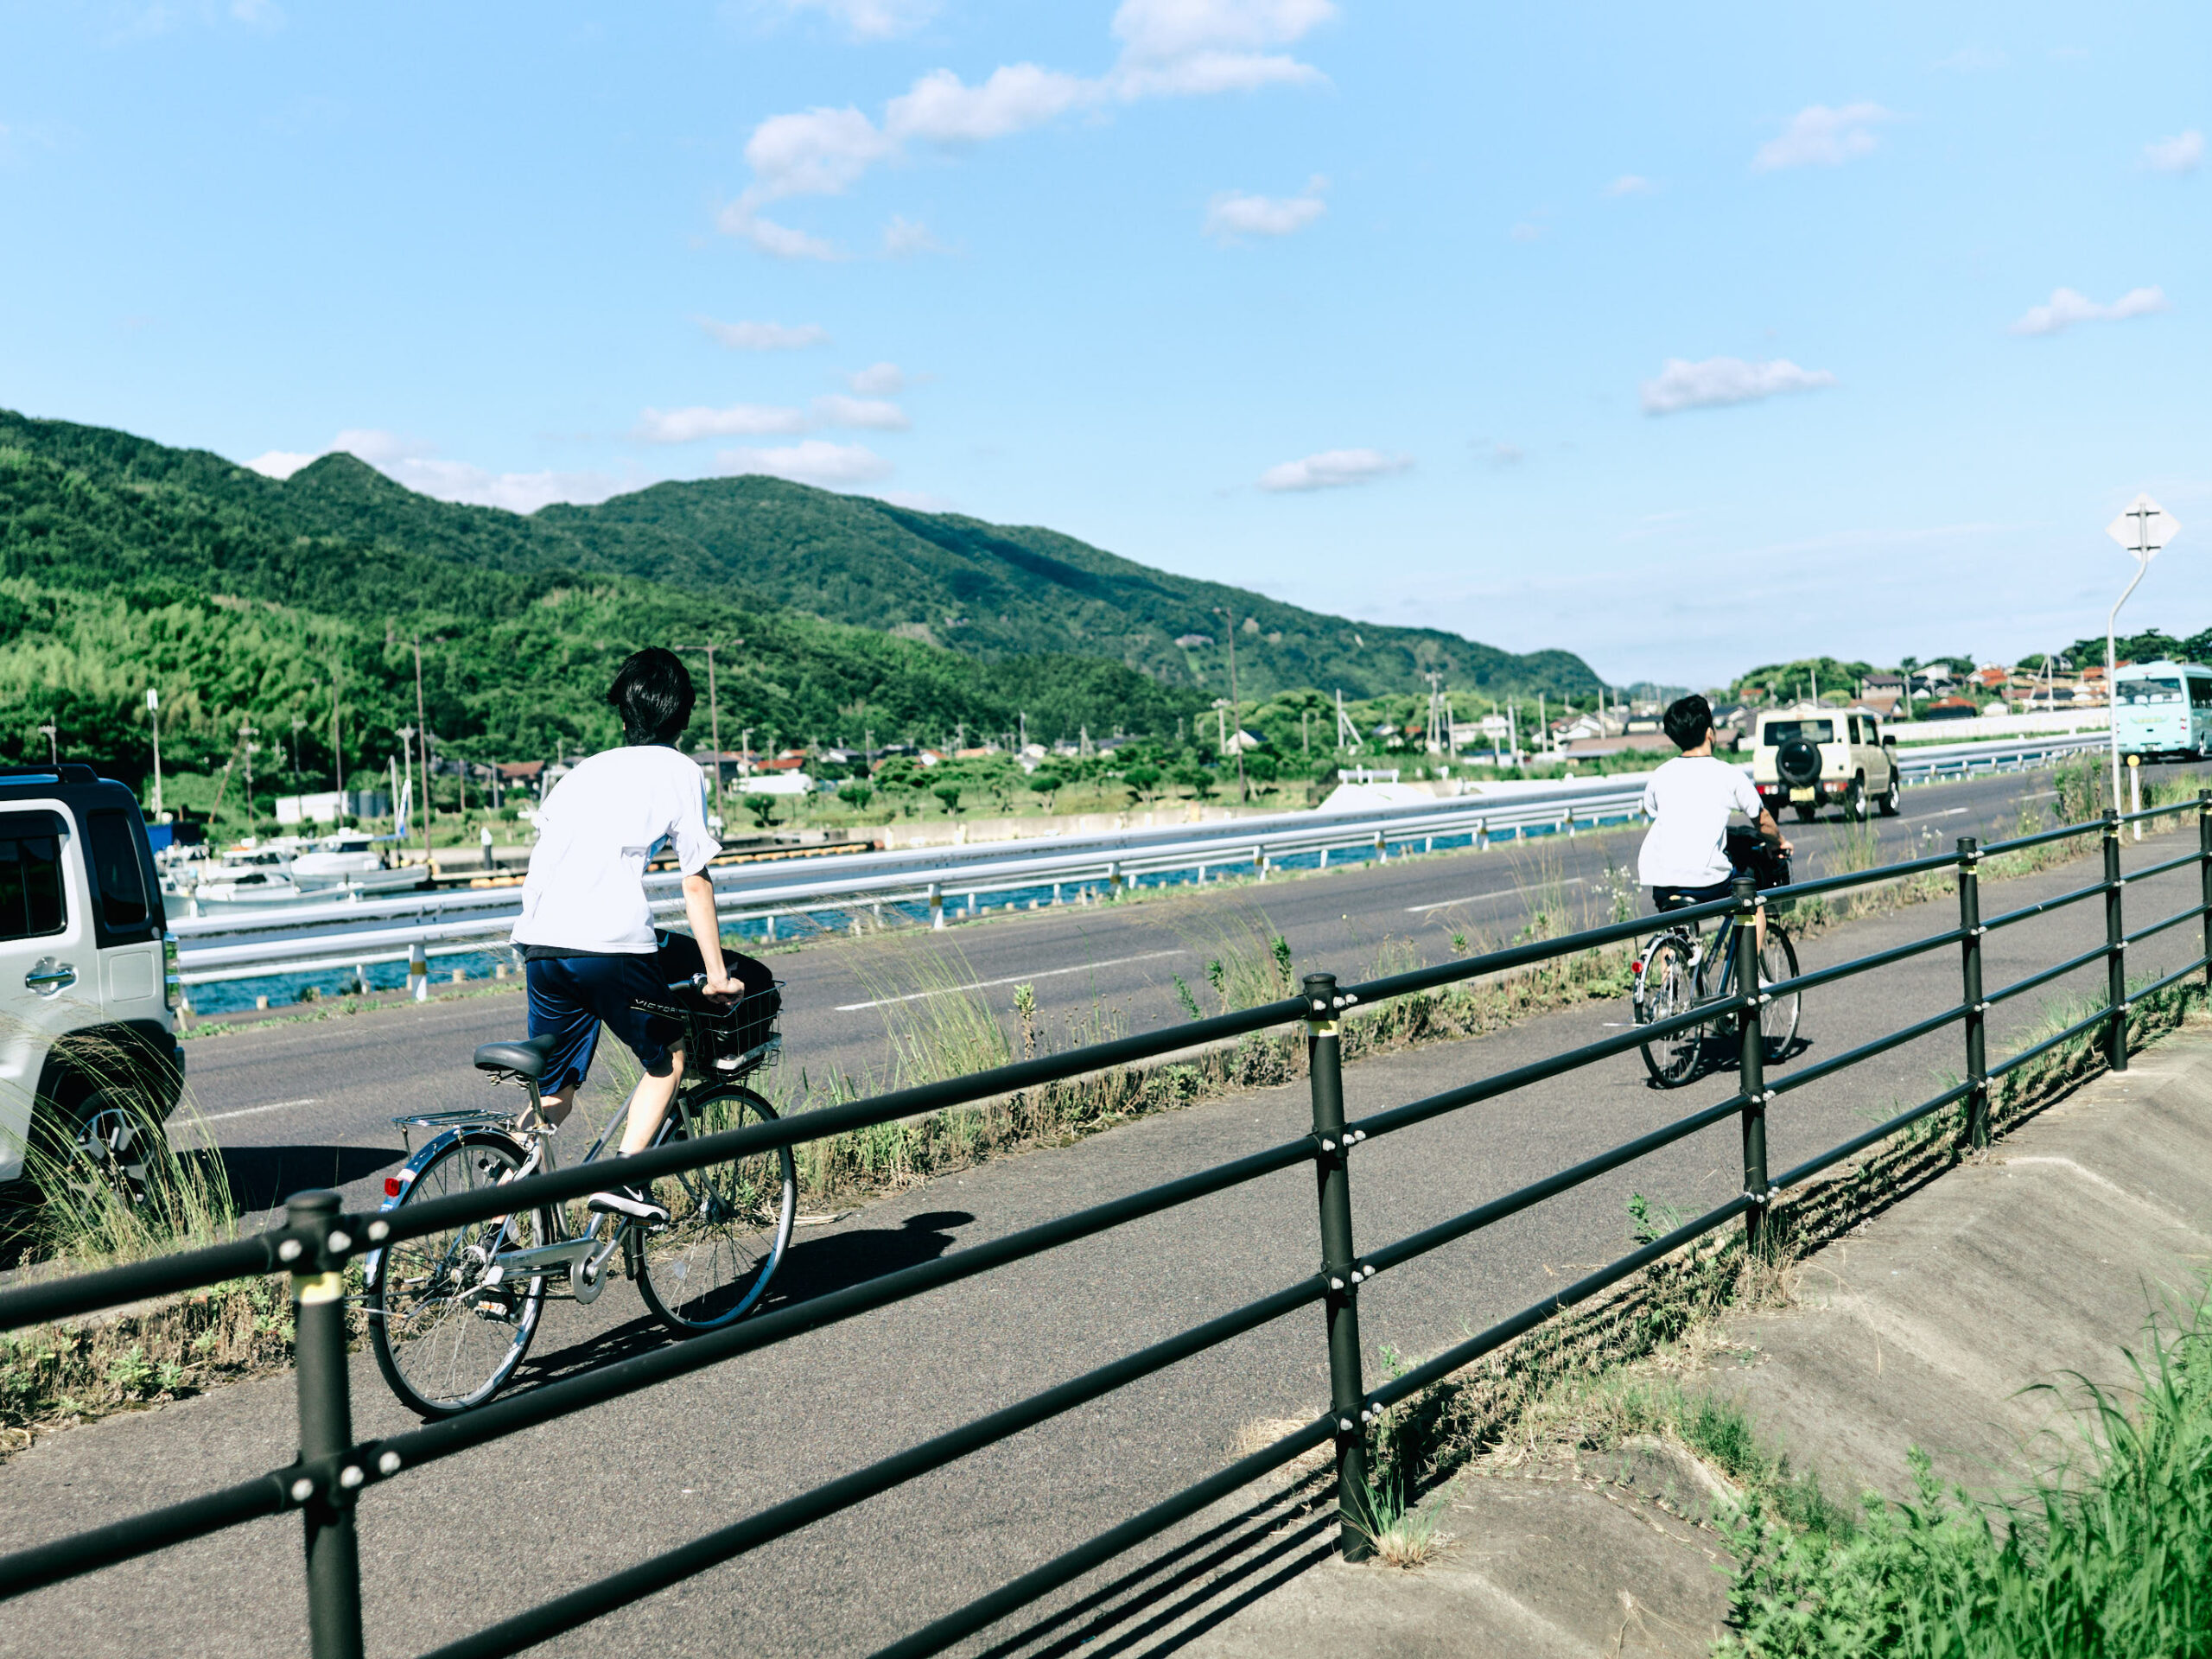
x,y
1770,830
706,930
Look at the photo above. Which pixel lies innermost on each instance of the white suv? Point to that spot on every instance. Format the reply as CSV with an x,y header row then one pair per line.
x,y
1808,759
88,986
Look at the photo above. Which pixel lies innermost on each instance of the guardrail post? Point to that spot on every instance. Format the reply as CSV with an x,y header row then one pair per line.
x,y
1260,862
1977,1124
1325,1066
2115,949
326,1430
2204,865
936,905
418,972
1751,1061
1114,880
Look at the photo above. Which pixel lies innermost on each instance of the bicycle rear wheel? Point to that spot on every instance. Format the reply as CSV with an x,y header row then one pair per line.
x,y
1669,989
727,1224
1778,1019
447,1336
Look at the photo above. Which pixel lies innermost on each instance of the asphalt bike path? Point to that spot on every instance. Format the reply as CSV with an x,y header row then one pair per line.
x,y
310,1104
484,1534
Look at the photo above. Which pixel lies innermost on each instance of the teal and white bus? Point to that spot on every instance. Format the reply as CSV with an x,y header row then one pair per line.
x,y
2163,708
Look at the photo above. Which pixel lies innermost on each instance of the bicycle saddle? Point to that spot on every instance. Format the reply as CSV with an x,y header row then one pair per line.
x,y
527,1058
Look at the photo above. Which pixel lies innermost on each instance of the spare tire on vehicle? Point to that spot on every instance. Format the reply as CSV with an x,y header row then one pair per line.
x,y
1798,762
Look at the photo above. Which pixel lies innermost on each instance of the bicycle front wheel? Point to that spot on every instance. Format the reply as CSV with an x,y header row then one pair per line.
x,y
729,1223
1669,989
447,1332
1778,1019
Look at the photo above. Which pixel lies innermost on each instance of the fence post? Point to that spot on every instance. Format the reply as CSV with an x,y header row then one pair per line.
x,y
2204,865
1977,1125
1750,1057
2115,949
1325,1066
326,1430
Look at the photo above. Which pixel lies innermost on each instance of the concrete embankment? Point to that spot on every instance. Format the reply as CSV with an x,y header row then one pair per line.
x,y
1931,1325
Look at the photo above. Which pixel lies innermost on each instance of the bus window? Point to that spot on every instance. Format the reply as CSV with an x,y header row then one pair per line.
x,y
2153,689
2200,692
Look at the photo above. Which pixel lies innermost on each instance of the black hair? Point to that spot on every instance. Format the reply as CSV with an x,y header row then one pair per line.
x,y
652,693
1689,721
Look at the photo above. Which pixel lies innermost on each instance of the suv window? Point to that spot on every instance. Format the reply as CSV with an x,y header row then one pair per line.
x,y
1779,732
116,874
31,901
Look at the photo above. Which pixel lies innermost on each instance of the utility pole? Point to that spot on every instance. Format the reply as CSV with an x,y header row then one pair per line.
x,y
337,749
714,714
53,744
246,735
153,719
1244,789
745,754
422,724
298,721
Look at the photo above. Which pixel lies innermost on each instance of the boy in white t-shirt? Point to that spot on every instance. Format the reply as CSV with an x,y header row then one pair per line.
x,y
1689,800
590,949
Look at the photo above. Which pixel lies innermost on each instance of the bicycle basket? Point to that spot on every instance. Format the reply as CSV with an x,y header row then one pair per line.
x,y
742,1027
1765,863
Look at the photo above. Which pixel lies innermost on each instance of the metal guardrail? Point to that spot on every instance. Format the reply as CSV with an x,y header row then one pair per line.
x,y
333,1473
852,890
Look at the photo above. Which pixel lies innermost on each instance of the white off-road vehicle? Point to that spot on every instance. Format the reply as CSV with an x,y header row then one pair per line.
x,y
1807,758
89,1059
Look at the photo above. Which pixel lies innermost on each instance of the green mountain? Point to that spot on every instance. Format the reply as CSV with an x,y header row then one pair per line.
x,y
124,562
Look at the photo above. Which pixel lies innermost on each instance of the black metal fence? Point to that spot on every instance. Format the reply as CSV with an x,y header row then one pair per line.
x,y
326,1481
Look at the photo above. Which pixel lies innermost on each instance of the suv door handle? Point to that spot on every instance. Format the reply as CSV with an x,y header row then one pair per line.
x,y
49,976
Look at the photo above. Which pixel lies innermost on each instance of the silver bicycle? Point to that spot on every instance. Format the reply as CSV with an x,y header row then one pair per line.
x,y
452,1313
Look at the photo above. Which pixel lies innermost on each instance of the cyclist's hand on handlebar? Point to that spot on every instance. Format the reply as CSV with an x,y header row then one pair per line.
x,y
1783,841
722,989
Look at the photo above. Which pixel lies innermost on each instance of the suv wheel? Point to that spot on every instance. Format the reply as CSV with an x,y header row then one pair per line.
x,y
104,1152
1854,801
1888,801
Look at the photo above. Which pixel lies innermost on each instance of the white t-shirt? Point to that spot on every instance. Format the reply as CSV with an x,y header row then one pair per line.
x,y
1688,801
586,887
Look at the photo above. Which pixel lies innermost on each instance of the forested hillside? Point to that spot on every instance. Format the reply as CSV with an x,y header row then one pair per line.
x,y
124,563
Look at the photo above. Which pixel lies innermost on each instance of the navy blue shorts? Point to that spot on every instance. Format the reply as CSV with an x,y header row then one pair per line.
x,y
573,996
1677,898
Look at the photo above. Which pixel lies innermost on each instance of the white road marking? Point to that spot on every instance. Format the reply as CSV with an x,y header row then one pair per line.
x,y
1476,897
1011,979
1947,812
251,1111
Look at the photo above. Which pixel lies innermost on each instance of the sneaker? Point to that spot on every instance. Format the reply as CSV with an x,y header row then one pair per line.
x,y
629,1201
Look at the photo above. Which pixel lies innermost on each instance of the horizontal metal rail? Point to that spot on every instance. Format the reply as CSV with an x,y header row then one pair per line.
x,y
317,1240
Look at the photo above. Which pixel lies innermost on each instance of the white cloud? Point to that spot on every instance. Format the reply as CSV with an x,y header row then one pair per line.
x,y
1820,137
878,381
815,460
279,463
416,464
1169,47
1629,184
1333,469
872,412
1527,230
1974,60
942,109
2066,308
737,420
764,336
903,236
1230,215
2183,152
1683,384
871,20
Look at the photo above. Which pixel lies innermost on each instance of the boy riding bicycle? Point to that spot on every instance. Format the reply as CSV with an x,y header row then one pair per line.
x,y
589,948
1684,860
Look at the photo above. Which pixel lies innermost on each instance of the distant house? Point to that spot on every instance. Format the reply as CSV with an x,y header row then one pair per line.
x,y
1193,641
1950,709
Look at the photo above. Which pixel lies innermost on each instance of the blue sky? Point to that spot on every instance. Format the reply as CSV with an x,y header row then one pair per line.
x,y
1683,343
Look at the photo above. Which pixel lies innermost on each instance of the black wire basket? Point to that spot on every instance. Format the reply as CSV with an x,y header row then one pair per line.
x,y
721,1037
1765,863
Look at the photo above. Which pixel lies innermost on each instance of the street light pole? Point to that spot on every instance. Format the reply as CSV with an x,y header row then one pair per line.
x,y
2143,528
1236,715
247,733
406,736
154,718
422,724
